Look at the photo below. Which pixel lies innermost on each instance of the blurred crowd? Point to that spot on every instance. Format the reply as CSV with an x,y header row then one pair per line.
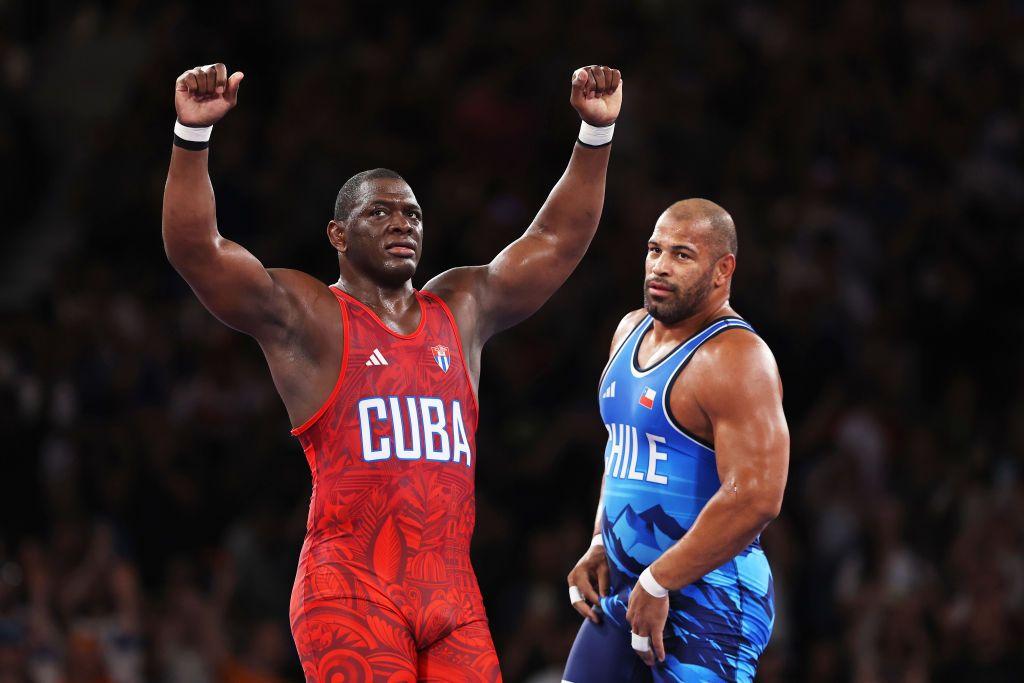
x,y
152,503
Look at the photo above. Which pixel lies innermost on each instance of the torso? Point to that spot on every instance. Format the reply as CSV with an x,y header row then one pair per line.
x,y
655,463
304,362
392,452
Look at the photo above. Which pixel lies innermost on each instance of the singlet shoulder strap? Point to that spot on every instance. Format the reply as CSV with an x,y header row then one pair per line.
x,y
631,337
689,348
431,299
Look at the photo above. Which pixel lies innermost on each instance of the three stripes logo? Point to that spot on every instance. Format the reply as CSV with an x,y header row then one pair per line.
x,y
610,391
377,358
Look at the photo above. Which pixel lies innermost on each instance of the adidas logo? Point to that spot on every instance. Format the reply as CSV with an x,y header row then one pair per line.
x,y
610,391
376,358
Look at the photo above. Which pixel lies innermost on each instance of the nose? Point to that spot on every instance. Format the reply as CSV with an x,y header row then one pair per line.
x,y
401,223
660,264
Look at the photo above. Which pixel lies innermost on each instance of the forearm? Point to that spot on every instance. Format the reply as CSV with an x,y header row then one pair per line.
x,y
725,526
189,209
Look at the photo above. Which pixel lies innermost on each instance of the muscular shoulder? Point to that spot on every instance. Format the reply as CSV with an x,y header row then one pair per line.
x,y
627,325
459,288
305,295
456,286
733,368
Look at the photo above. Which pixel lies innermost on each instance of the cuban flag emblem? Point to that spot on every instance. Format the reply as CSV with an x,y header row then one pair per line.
x,y
647,398
442,356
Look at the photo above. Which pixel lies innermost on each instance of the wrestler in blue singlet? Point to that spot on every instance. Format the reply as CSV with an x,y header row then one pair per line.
x,y
658,477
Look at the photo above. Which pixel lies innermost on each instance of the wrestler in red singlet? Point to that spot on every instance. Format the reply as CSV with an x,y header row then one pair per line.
x,y
392,454
379,380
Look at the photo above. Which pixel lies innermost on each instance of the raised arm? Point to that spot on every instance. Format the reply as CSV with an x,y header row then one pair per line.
x,y
228,280
526,273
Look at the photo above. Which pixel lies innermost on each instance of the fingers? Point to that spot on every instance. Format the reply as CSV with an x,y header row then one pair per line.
x,y
603,579
586,587
232,88
594,81
182,82
600,78
209,81
200,73
586,611
657,645
646,655
580,77
221,77
616,78
581,579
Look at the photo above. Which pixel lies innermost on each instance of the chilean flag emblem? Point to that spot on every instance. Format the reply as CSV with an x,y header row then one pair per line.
x,y
442,357
647,398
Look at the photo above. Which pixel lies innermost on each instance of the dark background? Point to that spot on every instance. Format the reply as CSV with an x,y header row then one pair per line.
x,y
152,501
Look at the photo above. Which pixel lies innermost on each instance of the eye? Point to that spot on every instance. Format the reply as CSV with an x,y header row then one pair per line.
x,y
413,213
379,212
682,255
653,250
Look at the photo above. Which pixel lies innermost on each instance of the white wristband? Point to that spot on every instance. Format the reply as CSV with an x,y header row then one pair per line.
x,y
192,134
597,540
596,136
650,585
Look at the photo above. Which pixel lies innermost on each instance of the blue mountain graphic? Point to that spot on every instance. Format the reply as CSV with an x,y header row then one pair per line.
x,y
639,539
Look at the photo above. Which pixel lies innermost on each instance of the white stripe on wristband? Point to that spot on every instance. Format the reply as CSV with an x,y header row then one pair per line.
x,y
597,540
650,585
192,134
596,136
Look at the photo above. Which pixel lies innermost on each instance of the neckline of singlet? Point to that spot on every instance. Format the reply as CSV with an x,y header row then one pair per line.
x,y
648,324
373,316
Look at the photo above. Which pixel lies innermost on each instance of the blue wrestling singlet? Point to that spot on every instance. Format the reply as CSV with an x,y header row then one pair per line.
x,y
658,477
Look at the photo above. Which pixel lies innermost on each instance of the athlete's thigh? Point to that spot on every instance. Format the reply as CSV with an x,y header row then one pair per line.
x,y
465,654
671,671
702,662
603,653
353,640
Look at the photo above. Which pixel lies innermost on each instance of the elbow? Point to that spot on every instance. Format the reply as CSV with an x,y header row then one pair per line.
x,y
766,507
183,252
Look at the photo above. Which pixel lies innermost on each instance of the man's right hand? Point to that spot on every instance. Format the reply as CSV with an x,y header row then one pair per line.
x,y
590,570
203,95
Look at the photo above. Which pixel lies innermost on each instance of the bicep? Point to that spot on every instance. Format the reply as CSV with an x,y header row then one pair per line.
x,y
744,405
522,277
235,287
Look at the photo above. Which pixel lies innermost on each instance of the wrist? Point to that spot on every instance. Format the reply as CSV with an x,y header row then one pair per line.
x,y
597,541
595,136
651,584
192,138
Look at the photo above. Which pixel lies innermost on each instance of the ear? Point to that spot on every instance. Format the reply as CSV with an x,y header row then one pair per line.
x,y
337,237
724,268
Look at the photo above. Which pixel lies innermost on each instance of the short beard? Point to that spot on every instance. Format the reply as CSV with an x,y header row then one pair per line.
x,y
684,304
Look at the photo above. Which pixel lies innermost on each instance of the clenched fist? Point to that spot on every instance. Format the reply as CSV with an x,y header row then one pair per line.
x,y
203,95
597,94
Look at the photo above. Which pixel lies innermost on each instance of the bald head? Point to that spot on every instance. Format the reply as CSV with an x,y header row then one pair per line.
x,y
714,223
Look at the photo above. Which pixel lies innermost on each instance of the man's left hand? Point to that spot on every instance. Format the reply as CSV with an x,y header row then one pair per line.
x,y
647,616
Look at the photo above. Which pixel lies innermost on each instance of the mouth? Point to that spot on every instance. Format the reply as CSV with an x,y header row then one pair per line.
x,y
659,288
403,249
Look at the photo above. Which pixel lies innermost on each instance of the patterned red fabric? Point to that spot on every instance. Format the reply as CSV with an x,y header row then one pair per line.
x,y
384,589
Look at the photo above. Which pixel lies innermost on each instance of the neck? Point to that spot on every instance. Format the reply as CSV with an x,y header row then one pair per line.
x,y
687,327
380,297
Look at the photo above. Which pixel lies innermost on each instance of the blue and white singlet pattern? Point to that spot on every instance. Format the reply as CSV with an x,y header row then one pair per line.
x,y
658,477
